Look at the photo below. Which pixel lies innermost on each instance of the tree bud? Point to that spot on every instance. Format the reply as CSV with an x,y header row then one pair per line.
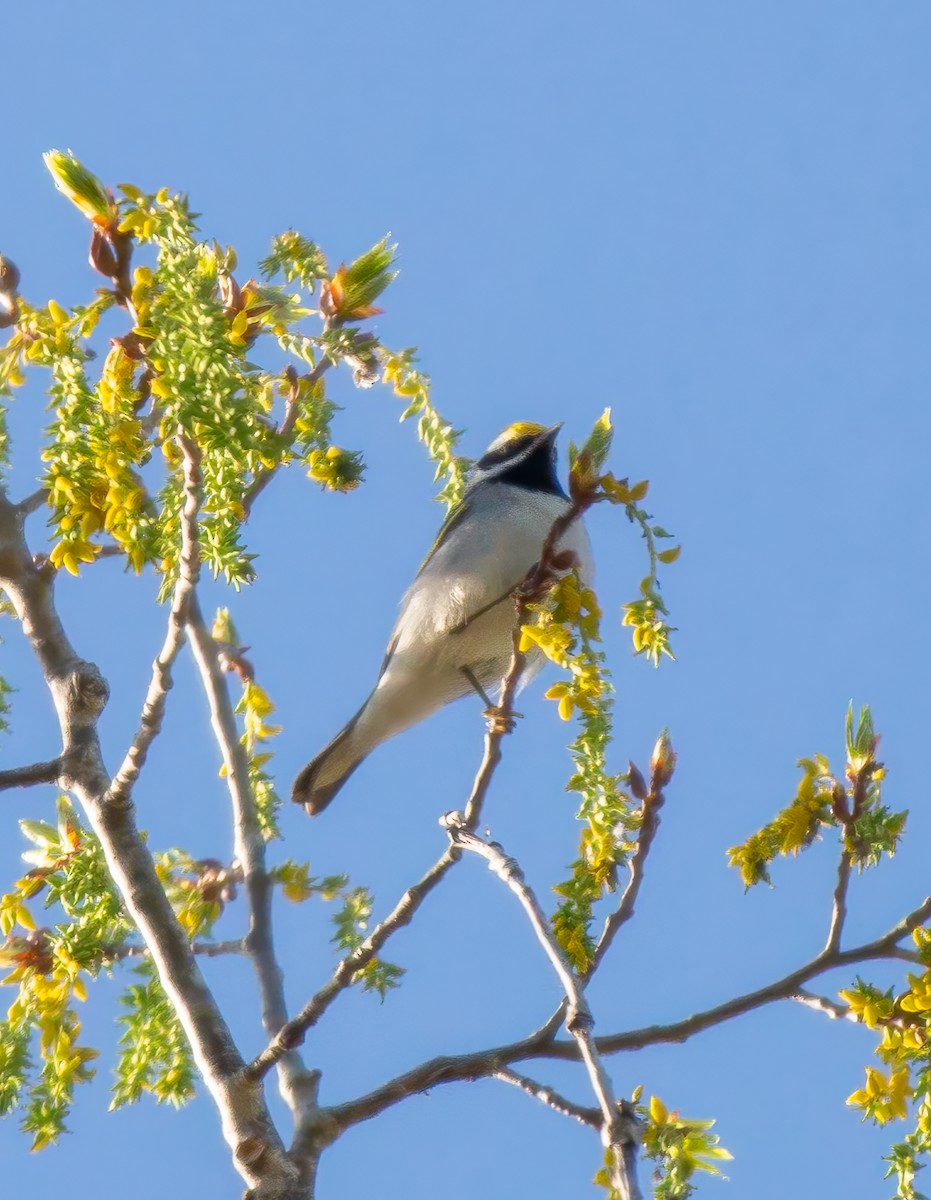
x,y
662,762
9,276
636,782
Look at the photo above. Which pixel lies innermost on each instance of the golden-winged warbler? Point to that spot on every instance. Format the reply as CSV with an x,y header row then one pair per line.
x,y
455,631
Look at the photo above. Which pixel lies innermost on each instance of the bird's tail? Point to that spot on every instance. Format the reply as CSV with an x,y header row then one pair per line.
x,y
324,775
393,706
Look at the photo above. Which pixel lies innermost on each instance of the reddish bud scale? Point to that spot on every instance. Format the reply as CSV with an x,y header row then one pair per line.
x,y
636,782
101,256
9,276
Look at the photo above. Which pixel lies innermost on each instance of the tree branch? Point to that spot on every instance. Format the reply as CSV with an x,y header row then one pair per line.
x,y
80,693
551,1098
206,949
33,502
297,1085
43,772
293,1032
625,909
652,803
539,1045
839,910
614,1131
781,989
153,709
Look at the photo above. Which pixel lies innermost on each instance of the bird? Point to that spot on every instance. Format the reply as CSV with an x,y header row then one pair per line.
x,y
454,634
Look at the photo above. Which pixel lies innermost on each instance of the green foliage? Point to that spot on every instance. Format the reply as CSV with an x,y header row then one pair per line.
x,y
351,921
647,614
294,257
42,1021
567,630
192,408
82,188
5,708
15,1062
351,292
68,869
822,801
590,458
904,1164
440,438
680,1147
900,1088
198,889
255,706
114,460
853,805
41,1056
155,1058
203,386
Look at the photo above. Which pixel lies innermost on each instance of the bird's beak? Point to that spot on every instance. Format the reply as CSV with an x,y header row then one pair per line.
x,y
552,433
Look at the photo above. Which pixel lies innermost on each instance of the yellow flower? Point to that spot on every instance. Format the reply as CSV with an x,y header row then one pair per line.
x,y
918,1000
69,553
883,1099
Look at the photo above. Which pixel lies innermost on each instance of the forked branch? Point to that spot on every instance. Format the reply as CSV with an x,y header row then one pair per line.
x,y
80,693
542,1045
615,1129
153,708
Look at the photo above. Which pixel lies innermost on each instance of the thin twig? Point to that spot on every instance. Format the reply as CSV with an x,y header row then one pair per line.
x,y
839,910
652,804
153,708
625,909
447,1068
614,1132
285,430
42,772
551,1098
830,1008
293,1032
204,949
297,1085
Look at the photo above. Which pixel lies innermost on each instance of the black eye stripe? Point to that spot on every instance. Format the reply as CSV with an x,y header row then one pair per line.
x,y
509,450
534,470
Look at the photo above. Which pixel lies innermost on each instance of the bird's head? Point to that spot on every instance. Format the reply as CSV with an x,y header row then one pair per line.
x,y
524,455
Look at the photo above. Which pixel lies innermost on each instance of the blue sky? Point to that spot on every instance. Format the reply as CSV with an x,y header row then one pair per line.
x,y
711,217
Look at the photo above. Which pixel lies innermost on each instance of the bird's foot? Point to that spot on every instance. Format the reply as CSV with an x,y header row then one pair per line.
x,y
500,721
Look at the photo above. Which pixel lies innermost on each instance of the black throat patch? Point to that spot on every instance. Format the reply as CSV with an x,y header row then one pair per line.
x,y
534,470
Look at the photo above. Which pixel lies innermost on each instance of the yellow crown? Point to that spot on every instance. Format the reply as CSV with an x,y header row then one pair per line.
x,y
520,429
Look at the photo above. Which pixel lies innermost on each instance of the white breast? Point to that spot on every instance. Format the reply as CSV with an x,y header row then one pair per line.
x,y
481,560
